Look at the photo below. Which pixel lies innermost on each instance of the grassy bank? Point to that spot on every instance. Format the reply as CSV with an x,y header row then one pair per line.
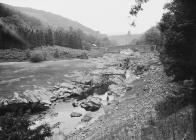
x,y
49,53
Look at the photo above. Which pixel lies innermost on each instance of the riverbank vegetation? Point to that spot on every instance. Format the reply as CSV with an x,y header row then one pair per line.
x,y
16,125
176,45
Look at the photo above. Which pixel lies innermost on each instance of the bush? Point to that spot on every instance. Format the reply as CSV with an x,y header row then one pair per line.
x,y
170,105
56,54
22,108
83,56
18,128
37,56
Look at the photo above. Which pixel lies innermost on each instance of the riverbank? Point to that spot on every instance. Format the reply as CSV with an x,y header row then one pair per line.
x,y
50,53
113,97
136,115
92,88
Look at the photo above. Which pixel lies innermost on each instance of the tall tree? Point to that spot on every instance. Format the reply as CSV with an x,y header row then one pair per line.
x,y
178,27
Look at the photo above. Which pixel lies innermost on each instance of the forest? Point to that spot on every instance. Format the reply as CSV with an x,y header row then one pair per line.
x,y
20,31
175,37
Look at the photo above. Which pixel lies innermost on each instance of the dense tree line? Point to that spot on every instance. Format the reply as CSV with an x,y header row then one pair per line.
x,y
23,38
150,37
178,29
27,38
20,31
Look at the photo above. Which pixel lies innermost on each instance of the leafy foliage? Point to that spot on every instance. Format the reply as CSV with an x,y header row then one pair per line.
x,y
17,30
18,128
37,56
178,28
137,7
151,37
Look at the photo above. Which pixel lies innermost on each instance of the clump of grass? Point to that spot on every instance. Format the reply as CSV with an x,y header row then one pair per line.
x,y
37,56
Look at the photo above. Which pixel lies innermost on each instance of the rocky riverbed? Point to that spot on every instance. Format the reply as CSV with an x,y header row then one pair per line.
x,y
77,103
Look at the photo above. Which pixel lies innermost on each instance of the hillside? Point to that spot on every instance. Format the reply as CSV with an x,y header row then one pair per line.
x,y
50,19
26,28
124,39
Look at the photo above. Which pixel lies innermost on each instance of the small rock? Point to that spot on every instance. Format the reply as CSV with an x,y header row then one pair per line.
x,y
53,98
129,88
75,104
75,114
86,118
108,93
140,69
116,108
46,102
188,83
28,111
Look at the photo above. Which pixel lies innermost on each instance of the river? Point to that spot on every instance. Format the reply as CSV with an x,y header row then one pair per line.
x,y
21,76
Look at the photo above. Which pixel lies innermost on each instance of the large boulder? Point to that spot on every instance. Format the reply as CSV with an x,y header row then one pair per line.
x,y
91,104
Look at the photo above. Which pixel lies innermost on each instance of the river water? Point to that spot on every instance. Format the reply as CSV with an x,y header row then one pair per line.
x,y
21,76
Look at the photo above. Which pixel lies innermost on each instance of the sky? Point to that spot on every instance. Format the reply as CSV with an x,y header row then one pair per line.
x,y
107,16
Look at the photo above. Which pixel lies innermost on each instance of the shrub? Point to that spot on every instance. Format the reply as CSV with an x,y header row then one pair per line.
x,y
18,128
37,56
83,56
22,108
56,54
170,105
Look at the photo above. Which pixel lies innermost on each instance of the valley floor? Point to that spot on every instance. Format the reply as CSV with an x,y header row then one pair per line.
x,y
132,114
